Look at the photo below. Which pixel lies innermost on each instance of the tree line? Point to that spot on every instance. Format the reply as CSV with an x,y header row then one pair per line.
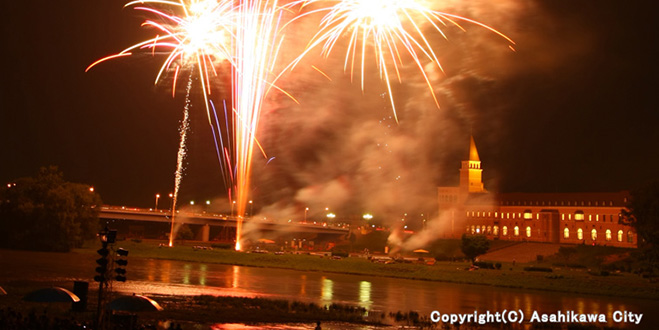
x,y
47,213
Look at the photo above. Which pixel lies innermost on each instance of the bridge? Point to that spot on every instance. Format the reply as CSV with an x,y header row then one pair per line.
x,y
203,221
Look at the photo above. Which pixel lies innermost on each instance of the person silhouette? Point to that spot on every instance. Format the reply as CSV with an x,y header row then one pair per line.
x,y
318,326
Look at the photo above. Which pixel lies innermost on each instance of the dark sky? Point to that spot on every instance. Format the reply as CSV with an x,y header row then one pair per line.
x,y
573,109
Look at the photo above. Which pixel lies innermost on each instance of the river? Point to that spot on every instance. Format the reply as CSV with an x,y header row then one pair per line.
x,y
377,294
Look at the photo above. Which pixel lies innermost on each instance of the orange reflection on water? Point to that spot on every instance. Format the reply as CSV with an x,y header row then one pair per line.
x,y
303,285
236,277
165,270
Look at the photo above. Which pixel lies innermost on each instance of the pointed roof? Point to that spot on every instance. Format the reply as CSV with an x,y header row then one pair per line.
x,y
473,152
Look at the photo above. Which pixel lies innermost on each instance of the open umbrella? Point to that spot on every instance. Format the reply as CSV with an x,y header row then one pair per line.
x,y
54,294
134,303
420,251
266,241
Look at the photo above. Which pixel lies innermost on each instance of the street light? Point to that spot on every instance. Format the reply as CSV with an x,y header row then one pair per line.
x,y
157,197
233,204
367,216
171,206
305,214
251,208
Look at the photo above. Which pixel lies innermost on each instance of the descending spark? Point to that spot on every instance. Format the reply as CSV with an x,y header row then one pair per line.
x,y
391,28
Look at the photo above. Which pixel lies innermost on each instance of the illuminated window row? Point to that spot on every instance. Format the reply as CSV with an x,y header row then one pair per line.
x,y
559,203
593,235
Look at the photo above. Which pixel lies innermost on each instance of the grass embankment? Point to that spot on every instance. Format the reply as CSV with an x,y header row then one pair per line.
x,y
514,276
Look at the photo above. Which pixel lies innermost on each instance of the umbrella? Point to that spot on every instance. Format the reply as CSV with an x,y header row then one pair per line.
x,y
420,251
54,294
266,241
134,303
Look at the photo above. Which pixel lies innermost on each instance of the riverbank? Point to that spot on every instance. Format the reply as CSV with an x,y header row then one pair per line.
x,y
512,275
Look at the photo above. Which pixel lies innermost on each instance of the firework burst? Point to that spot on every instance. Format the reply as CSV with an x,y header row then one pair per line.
x,y
391,28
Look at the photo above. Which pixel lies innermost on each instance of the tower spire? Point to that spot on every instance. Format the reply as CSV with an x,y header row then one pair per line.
x,y
471,179
473,152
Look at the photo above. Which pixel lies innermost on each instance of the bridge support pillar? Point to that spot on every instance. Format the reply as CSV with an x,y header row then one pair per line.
x,y
204,233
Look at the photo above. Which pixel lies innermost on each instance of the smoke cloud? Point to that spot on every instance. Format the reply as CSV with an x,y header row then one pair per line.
x,y
342,149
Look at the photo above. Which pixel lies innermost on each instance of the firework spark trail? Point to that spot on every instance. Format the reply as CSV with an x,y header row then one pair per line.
x,y
390,27
255,55
180,159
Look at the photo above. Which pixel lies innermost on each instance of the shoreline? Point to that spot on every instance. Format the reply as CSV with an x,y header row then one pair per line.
x,y
514,276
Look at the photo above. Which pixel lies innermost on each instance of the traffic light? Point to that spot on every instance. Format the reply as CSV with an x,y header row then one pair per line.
x,y
121,272
102,264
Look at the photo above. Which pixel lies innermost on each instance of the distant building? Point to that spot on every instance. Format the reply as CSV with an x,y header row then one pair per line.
x,y
566,218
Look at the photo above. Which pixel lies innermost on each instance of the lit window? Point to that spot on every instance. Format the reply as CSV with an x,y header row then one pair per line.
x,y
495,230
537,216
597,217
590,217
593,234
528,215
516,231
608,235
483,229
473,230
513,215
505,230
528,231
620,233
579,216
489,230
566,233
569,216
478,230
630,237
496,214
580,234
563,216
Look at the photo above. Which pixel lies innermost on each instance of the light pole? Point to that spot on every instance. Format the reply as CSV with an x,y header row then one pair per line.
x,y
233,204
171,206
251,208
306,210
157,197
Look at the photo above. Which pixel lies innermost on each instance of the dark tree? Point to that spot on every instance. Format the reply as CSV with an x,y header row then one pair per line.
x,y
642,214
473,246
47,213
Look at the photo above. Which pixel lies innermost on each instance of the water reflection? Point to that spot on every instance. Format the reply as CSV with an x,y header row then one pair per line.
x,y
365,294
149,277
236,277
326,291
303,285
202,274
186,273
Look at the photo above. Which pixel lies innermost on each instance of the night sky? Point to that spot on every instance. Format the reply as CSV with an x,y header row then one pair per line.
x,y
572,109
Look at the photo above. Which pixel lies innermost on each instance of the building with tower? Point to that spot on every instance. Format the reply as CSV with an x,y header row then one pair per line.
x,y
566,218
